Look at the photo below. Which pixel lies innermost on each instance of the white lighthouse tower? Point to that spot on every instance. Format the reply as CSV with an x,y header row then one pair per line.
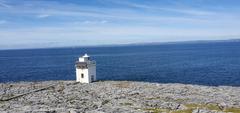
x,y
85,70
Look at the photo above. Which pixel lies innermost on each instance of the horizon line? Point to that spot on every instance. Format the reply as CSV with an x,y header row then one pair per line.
x,y
128,44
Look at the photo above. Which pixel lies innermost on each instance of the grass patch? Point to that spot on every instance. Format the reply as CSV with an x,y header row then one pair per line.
x,y
213,107
167,99
206,106
126,104
179,100
122,85
183,111
233,110
156,110
153,98
191,107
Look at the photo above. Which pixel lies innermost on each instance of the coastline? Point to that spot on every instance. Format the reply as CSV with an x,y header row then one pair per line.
x,y
116,96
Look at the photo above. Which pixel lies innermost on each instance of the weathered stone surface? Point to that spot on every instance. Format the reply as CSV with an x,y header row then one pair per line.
x,y
116,96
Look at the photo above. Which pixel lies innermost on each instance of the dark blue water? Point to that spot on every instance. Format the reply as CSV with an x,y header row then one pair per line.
x,y
215,63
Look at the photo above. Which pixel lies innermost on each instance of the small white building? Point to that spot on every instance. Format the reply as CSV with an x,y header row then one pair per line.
x,y
85,70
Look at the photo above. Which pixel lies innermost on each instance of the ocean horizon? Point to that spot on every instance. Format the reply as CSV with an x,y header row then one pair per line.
x,y
212,63
126,44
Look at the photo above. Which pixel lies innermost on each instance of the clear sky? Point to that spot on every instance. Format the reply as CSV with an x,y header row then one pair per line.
x,y
57,23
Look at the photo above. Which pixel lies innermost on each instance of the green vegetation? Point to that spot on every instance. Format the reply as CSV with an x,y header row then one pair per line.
x,y
206,106
213,107
153,98
105,102
233,110
183,111
126,104
156,110
122,85
191,107
159,110
179,100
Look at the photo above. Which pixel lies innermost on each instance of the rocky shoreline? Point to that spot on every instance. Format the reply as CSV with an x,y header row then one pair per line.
x,y
116,96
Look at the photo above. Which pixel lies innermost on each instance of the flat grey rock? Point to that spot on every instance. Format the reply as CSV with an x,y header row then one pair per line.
x,y
116,96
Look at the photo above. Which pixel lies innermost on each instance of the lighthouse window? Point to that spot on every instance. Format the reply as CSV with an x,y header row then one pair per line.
x,y
82,75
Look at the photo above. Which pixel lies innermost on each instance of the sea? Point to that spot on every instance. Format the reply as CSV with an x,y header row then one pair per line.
x,y
200,63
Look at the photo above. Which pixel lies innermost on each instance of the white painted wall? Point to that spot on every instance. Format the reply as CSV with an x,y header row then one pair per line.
x,y
83,59
79,73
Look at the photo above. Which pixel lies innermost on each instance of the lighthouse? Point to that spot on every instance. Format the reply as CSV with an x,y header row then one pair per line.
x,y
85,69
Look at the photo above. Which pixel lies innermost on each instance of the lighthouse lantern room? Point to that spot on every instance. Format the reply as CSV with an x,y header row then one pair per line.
x,y
85,70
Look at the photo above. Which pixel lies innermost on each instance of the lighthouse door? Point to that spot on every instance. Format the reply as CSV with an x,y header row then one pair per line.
x,y
92,78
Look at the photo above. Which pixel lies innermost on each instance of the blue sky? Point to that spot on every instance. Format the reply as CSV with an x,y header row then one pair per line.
x,y
59,23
